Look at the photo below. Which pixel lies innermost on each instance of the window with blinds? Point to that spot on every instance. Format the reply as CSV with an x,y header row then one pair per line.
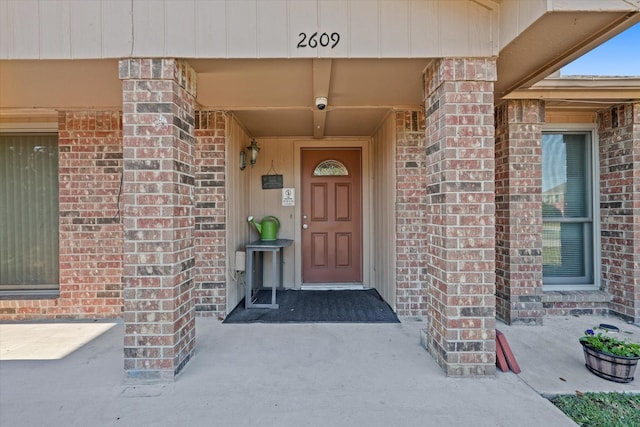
x,y
28,211
567,209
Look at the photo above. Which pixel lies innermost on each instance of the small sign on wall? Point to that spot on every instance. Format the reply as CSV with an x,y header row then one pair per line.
x,y
288,197
271,181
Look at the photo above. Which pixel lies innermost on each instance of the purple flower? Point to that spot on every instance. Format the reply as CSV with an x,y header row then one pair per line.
x,y
589,332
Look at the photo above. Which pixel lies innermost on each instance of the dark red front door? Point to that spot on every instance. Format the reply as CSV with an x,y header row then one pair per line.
x,y
331,215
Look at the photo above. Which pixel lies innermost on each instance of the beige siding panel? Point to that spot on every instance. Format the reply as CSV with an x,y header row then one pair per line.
x,y
516,15
384,236
180,37
251,28
211,29
302,19
451,28
86,34
237,202
242,33
364,26
116,28
148,28
529,12
273,29
25,30
54,30
6,42
279,153
425,31
394,40
480,37
455,37
334,18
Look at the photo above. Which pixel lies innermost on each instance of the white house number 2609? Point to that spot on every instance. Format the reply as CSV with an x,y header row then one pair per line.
x,y
314,40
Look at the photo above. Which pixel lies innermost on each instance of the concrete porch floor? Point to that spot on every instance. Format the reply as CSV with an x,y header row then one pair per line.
x,y
552,360
291,375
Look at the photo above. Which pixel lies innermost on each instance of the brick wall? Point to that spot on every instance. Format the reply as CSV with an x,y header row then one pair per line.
x,y
159,179
619,137
90,167
411,296
519,211
460,215
210,214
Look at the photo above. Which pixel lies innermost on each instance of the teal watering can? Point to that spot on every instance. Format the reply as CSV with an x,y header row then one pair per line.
x,y
268,228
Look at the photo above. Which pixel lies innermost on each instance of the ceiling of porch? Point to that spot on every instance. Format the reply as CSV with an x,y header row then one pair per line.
x,y
270,97
277,96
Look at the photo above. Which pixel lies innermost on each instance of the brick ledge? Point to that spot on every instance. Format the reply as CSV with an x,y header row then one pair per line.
x,y
575,296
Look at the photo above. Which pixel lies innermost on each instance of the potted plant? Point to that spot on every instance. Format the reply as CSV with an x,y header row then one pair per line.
x,y
609,357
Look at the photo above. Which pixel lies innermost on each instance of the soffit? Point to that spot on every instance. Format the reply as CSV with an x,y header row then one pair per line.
x,y
270,97
553,41
582,93
33,84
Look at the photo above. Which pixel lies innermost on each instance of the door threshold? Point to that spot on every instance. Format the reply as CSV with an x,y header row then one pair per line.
x,y
332,286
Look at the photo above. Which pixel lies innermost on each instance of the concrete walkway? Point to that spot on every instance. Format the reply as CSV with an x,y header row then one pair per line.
x,y
552,360
290,375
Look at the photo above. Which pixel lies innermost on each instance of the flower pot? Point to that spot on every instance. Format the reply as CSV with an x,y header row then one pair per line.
x,y
613,368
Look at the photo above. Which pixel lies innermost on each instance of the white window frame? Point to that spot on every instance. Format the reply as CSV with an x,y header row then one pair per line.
x,y
591,129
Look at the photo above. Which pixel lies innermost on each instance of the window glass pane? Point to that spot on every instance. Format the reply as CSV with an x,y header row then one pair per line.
x,y
567,236
28,211
565,176
564,248
331,167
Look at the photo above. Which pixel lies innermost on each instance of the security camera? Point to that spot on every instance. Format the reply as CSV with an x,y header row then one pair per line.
x,y
321,102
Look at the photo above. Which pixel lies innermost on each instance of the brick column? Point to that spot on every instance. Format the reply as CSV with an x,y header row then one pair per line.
x,y
460,215
519,211
619,136
158,141
410,209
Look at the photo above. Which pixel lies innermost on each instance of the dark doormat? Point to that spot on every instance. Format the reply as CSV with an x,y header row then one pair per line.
x,y
347,306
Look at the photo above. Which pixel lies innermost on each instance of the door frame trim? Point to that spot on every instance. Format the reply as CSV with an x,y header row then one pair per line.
x,y
364,145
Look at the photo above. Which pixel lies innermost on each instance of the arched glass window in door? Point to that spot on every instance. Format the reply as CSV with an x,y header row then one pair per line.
x,y
331,167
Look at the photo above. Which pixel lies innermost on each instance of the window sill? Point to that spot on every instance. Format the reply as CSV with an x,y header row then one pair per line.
x,y
29,295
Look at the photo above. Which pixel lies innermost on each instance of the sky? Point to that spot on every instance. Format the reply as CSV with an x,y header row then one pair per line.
x,y
619,56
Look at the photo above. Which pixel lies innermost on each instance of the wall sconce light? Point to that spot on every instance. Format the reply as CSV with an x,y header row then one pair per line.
x,y
253,152
243,160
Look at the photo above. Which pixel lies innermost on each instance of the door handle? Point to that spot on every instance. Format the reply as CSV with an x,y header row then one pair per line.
x,y
305,226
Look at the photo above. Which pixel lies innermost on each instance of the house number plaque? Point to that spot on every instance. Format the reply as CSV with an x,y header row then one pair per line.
x,y
314,40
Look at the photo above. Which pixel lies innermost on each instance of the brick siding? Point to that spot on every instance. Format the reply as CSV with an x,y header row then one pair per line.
x,y
519,211
411,296
210,214
619,136
90,238
460,215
